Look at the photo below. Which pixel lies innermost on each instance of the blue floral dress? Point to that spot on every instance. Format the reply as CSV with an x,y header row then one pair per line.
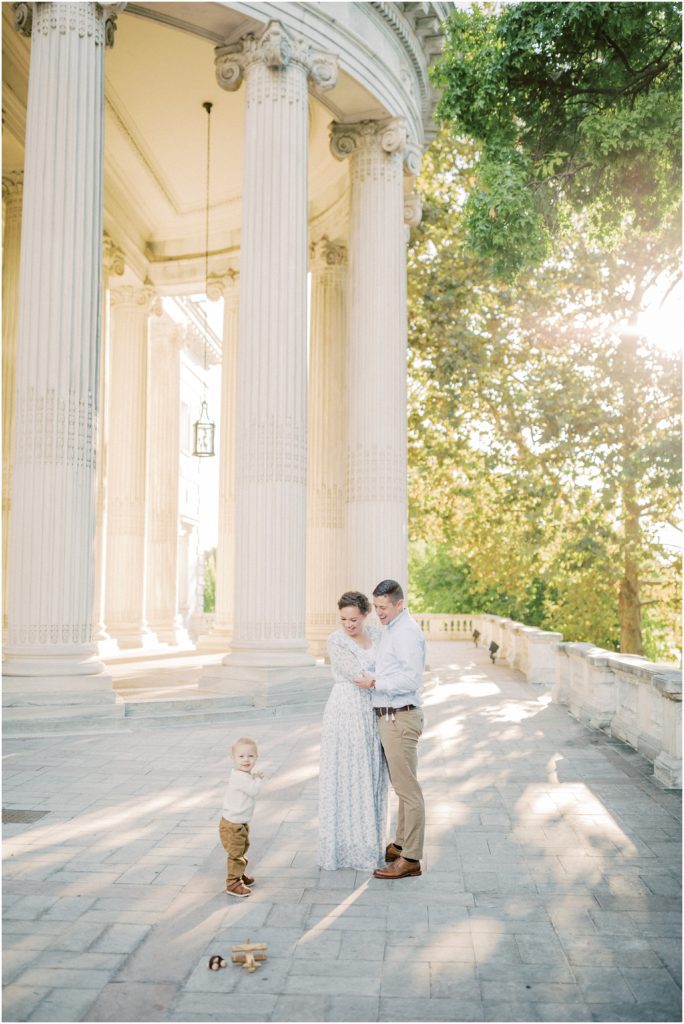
x,y
353,773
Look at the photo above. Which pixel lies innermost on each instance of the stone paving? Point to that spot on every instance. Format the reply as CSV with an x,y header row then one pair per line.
x,y
551,885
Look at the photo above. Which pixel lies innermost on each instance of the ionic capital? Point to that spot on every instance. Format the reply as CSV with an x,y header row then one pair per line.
x,y
277,48
23,18
97,21
110,12
12,186
325,254
413,209
388,136
144,300
225,285
113,261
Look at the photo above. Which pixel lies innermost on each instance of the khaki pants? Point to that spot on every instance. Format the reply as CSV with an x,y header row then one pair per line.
x,y
235,839
399,740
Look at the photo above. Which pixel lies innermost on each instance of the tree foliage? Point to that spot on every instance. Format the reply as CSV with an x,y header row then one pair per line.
x,y
544,454
576,108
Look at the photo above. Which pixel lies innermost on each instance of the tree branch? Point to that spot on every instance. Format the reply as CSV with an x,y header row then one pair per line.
x,y
620,52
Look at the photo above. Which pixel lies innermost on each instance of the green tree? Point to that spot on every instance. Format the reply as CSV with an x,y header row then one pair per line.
x,y
576,108
209,604
543,431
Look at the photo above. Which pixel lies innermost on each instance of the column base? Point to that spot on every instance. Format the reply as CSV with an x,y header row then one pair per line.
x,y
269,687
283,655
216,640
107,648
135,639
318,640
171,636
36,705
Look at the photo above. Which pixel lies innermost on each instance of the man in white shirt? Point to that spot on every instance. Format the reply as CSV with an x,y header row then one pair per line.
x,y
395,691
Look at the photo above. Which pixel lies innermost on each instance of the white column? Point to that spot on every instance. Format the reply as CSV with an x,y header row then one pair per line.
x,y
112,263
327,565
270,505
377,418
127,465
12,194
50,634
163,482
228,286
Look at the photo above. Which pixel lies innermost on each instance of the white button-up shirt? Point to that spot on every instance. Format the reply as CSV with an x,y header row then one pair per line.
x,y
399,664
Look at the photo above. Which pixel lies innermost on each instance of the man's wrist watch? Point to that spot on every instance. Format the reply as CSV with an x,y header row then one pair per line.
x,y
372,685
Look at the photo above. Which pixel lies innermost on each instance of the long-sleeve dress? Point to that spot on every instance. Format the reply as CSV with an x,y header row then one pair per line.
x,y
353,773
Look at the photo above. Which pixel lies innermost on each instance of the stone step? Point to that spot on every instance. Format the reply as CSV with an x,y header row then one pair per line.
x,y
208,716
43,725
150,708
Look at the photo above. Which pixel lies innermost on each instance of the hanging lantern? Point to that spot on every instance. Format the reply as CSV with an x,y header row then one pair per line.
x,y
204,428
204,434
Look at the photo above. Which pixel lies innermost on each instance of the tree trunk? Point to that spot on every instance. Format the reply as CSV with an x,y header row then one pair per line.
x,y
629,602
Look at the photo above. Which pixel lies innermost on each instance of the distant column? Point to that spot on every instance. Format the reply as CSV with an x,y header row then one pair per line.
x,y
112,263
228,286
50,604
327,566
163,473
127,466
377,409
12,194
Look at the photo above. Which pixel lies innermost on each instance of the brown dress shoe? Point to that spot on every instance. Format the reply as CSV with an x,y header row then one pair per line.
x,y
392,852
401,868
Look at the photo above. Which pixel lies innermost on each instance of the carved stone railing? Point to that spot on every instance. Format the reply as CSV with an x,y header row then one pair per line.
x,y
447,627
624,695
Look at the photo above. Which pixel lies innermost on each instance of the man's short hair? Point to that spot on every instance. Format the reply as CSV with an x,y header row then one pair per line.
x,y
391,589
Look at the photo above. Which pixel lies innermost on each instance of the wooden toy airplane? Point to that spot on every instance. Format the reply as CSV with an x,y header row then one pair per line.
x,y
249,954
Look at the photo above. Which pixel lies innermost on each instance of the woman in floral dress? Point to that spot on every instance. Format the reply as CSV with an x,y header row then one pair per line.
x,y
353,773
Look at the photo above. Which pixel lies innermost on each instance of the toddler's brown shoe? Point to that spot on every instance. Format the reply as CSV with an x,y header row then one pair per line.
x,y
392,852
238,889
247,880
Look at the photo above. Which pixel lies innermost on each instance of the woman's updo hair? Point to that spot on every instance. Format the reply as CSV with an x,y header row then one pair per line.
x,y
354,599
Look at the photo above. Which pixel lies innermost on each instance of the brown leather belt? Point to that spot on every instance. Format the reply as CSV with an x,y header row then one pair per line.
x,y
392,711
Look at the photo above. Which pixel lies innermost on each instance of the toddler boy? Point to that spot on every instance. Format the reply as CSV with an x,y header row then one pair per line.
x,y
238,807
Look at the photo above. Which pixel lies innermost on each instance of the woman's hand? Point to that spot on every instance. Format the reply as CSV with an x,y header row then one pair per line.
x,y
364,681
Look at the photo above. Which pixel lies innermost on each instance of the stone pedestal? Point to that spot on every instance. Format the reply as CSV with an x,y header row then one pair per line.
x,y
270,478
377,419
125,587
327,565
12,194
50,650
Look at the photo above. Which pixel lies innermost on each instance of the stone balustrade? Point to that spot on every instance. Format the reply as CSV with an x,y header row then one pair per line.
x,y
446,627
624,695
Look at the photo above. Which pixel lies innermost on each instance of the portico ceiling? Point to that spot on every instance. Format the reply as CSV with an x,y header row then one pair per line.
x,y
158,74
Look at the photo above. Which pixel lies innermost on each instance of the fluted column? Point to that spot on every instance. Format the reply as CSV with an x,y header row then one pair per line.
x,y
12,194
50,635
226,285
112,264
270,505
327,568
125,584
377,417
163,483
